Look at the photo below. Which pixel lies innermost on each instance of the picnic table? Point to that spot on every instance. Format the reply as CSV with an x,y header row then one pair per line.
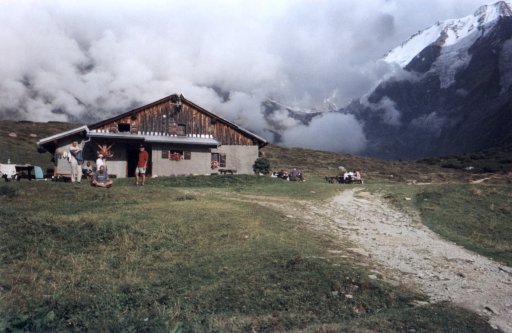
x,y
341,180
226,171
25,171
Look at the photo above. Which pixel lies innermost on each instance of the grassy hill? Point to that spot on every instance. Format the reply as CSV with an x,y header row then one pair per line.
x,y
199,254
18,141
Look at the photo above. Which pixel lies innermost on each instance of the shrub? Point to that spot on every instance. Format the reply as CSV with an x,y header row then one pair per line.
x,y
261,165
7,191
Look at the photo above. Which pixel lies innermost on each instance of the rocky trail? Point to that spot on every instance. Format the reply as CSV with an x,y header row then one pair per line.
x,y
407,252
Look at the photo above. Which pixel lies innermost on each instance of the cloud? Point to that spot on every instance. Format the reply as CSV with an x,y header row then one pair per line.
x,y
387,110
329,132
88,60
429,123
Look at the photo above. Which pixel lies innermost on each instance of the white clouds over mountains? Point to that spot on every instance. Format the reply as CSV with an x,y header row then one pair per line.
x,y
87,60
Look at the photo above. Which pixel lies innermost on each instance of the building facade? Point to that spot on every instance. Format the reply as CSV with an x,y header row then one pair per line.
x,y
181,137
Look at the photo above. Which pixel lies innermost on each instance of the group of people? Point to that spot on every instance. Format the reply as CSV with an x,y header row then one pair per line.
x,y
98,175
349,176
293,175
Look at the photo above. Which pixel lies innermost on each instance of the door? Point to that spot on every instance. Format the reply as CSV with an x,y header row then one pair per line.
x,y
132,157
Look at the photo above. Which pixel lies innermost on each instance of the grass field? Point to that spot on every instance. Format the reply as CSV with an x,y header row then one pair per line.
x,y
183,254
194,254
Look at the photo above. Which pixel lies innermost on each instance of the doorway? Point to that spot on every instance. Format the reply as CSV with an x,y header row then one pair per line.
x,y
132,157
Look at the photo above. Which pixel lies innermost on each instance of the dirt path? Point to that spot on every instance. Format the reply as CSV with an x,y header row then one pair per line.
x,y
410,253
407,252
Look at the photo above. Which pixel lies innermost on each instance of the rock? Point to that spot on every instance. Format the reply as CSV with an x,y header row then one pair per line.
x,y
335,293
407,199
33,135
348,296
372,277
491,310
13,135
420,303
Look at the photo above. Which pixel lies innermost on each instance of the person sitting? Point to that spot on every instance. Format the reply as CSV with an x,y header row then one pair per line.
x,y
346,177
294,173
358,177
282,174
87,170
300,176
100,178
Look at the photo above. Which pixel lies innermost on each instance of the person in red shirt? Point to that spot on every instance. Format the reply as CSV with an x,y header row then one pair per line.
x,y
142,165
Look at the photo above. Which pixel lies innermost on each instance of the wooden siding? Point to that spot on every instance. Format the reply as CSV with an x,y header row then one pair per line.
x,y
160,118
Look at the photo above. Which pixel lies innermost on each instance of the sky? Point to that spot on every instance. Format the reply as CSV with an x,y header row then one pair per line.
x,y
84,61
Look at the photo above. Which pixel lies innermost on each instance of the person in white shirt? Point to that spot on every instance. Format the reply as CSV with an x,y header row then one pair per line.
x,y
100,161
76,160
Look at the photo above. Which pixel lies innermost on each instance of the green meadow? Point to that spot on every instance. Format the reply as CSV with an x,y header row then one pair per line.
x,y
186,254
200,254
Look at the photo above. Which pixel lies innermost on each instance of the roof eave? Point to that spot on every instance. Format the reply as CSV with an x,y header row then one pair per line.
x,y
61,135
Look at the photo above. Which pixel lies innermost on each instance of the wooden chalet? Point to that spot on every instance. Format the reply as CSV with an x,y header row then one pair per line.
x,y
181,137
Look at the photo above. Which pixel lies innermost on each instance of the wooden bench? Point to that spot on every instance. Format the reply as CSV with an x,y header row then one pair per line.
x,y
226,171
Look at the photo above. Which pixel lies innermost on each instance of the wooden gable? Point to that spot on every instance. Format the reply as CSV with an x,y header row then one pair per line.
x,y
174,115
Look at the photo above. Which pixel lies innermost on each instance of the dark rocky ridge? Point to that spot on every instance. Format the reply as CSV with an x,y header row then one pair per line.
x,y
475,112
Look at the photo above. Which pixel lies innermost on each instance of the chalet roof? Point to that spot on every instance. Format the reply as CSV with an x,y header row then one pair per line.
x,y
188,140
63,135
260,140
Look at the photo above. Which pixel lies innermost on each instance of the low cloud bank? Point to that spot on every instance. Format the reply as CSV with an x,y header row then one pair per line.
x,y
84,61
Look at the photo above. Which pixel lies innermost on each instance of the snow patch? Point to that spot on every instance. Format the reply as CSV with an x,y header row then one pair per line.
x,y
454,58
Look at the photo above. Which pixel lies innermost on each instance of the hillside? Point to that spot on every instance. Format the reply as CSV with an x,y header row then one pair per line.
x,y
18,141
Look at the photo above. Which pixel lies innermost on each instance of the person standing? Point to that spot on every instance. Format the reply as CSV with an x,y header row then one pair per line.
x,y
142,165
76,159
100,161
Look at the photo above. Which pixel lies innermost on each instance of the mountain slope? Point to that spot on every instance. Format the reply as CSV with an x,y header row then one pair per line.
x,y
458,97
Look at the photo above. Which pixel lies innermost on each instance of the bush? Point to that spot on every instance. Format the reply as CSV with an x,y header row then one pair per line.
x,y
261,165
7,191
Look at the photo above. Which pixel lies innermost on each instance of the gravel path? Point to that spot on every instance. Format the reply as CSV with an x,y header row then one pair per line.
x,y
412,254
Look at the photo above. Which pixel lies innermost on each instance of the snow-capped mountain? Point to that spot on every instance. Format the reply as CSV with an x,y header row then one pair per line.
x,y
450,32
457,96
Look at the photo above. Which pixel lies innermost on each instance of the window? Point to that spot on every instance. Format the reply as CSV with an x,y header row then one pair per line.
x,y
165,154
177,155
177,129
123,127
219,159
182,130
